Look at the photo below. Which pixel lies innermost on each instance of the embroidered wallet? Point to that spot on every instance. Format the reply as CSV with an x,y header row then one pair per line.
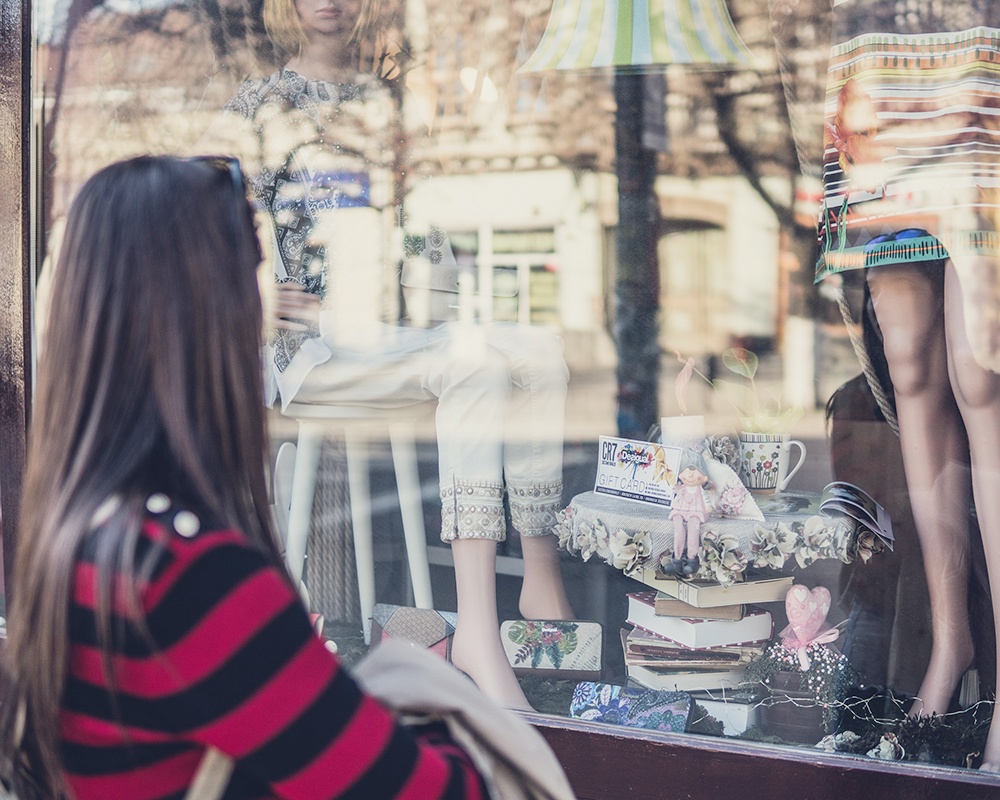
x,y
562,648
425,627
652,709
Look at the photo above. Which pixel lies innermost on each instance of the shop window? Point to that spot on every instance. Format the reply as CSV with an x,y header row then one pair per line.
x,y
685,286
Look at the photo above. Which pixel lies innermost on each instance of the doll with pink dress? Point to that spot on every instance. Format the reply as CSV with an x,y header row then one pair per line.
x,y
691,506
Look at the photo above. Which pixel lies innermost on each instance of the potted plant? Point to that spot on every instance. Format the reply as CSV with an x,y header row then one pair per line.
x,y
764,445
802,679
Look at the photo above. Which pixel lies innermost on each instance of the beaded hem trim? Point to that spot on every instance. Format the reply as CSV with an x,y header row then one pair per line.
x,y
533,509
472,511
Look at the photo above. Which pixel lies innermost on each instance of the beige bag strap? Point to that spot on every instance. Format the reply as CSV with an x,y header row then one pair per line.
x,y
212,777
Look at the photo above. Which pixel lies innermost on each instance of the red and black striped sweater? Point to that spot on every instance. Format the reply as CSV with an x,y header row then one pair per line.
x,y
232,662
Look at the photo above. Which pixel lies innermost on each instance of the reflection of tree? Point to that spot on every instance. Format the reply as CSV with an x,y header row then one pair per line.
x,y
637,271
149,81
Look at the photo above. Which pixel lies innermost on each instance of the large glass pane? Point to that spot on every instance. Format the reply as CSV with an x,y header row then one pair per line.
x,y
575,374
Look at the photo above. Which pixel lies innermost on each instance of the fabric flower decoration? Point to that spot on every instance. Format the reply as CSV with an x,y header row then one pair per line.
x,y
601,539
722,556
564,530
584,545
724,450
816,541
888,748
868,544
627,550
770,547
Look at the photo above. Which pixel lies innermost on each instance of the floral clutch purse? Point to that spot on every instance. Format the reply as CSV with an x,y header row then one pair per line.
x,y
652,709
562,648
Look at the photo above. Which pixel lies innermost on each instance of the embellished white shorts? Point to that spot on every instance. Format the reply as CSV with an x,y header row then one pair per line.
x,y
501,394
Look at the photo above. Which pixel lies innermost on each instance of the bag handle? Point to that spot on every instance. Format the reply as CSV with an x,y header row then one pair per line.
x,y
212,777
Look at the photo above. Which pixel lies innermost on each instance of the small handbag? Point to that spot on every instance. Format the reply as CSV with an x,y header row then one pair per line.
x,y
561,648
430,629
652,709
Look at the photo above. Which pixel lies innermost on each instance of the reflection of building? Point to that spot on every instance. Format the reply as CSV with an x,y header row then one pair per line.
x,y
520,166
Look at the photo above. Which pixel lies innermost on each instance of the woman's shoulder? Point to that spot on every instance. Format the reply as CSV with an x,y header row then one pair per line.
x,y
164,533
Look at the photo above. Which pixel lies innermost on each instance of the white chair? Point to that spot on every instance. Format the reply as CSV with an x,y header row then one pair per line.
x,y
294,495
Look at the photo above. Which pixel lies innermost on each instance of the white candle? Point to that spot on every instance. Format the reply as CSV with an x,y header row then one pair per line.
x,y
683,431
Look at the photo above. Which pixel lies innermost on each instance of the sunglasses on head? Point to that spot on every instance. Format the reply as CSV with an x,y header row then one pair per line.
x,y
230,166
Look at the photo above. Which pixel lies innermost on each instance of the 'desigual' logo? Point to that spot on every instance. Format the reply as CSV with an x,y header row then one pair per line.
x,y
643,471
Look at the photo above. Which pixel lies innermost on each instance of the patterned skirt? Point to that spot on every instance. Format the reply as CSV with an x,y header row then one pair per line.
x,y
912,149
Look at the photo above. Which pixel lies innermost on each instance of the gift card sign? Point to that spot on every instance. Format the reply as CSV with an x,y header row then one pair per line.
x,y
643,471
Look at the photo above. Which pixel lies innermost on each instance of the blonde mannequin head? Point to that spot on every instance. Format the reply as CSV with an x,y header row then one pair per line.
x,y
284,24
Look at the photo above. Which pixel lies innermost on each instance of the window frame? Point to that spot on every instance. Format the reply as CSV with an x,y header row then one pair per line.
x,y
602,761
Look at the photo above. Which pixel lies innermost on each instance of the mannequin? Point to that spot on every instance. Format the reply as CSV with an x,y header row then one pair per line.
x,y
911,144
316,159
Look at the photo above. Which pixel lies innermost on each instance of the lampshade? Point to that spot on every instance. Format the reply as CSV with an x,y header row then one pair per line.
x,y
587,34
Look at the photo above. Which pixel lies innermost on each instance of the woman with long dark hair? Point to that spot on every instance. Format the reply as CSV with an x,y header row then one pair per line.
x,y
151,616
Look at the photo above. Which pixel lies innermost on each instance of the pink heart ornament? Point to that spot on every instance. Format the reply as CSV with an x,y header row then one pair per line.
x,y
807,610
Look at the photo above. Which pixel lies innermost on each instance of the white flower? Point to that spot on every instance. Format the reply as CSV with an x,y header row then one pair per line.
x,y
564,530
627,550
585,544
888,748
601,538
770,546
723,556
838,741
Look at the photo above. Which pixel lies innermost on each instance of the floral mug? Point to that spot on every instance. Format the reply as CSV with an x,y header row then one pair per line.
x,y
764,460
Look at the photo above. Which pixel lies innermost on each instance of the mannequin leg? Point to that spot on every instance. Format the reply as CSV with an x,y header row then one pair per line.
x,y
533,451
909,306
476,648
543,594
977,391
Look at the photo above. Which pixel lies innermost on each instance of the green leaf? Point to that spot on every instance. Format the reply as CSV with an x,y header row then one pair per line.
x,y
518,632
569,642
739,396
741,361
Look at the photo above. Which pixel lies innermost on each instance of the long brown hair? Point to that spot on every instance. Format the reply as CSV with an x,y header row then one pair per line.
x,y
149,380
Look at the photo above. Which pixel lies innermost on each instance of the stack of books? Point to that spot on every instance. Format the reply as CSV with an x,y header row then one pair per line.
x,y
685,637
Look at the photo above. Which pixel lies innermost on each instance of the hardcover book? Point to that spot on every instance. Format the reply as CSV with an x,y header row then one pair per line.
x,y
679,680
649,650
711,594
697,633
667,606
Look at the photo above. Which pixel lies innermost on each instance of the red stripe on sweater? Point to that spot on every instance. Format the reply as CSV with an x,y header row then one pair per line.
x,y
275,706
201,652
165,777
428,779
347,758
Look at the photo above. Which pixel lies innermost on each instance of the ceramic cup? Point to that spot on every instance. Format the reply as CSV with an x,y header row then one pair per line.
x,y
765,460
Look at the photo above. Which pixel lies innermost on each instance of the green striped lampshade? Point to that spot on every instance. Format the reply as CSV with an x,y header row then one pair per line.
x,y
587,34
